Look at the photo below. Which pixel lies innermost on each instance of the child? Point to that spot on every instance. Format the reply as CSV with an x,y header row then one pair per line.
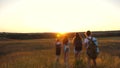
x,y
58,49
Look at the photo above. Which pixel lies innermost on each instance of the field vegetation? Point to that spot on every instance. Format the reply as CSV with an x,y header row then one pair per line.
x,y
40,53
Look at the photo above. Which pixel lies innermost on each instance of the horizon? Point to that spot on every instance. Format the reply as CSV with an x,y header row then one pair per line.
x,y
63,33
31,16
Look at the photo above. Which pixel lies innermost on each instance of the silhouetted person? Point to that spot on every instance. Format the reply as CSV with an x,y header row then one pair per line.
x,y
91,45
58,45
66,46
77,43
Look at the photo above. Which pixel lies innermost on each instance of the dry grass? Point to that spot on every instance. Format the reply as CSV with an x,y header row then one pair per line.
x,y
40,53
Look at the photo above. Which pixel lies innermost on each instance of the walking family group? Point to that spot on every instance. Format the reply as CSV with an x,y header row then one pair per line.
x,y
90,44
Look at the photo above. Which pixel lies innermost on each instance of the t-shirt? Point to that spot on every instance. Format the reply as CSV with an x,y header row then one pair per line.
x,y
94,39
58,44
67,46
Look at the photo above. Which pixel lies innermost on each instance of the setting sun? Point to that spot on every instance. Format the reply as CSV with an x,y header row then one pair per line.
x,y
60,30
58,35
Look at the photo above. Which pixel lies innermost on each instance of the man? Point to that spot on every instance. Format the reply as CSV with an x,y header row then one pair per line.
x,y
92,49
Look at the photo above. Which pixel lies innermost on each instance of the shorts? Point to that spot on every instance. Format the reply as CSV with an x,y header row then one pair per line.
x,y
77,51
66,49
58,51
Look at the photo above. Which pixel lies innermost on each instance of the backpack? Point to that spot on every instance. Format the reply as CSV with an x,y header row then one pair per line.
x,y
92,49
78,44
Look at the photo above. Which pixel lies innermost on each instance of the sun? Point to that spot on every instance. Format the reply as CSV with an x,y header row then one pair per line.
x,y
61,31
60,34
61,28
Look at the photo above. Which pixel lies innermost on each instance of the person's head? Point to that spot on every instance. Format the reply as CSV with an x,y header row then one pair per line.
x,y
77,34
57,40
88,33
65,37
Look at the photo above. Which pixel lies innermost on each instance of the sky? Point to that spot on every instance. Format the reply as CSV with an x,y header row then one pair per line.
x,y
26,16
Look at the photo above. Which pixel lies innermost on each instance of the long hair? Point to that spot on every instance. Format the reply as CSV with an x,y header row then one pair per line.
x,y
65,40
77,40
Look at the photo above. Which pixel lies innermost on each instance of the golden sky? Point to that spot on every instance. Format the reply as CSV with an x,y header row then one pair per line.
x,y
59,15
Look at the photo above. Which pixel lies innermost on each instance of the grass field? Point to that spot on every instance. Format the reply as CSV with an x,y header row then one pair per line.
x,y
40,53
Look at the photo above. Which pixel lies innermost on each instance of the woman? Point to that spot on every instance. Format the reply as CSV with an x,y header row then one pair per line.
x,y
77,42
66,49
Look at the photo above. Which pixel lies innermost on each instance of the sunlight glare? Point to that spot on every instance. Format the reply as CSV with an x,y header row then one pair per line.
x,y
58,35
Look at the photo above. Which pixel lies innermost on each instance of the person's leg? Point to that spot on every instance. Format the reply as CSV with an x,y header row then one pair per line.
x,y
88,66
57,55
76,54
79,55
94,62
65,57
58,58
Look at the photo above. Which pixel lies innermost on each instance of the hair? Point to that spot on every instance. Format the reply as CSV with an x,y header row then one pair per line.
x,y
65,40
88,33
77,35
77,39
57,39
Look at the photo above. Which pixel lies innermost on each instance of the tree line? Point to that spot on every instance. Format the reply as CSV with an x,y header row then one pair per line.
x,y
5,35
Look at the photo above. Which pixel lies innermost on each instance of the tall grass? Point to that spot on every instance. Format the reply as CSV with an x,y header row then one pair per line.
x,y
40,53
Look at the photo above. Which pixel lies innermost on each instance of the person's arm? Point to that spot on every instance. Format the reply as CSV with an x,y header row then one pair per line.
x,y
85,43
95,41
69,42
73,42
